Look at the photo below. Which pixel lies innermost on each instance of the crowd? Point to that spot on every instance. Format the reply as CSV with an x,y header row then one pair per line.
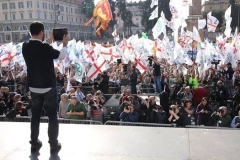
x,y
186,98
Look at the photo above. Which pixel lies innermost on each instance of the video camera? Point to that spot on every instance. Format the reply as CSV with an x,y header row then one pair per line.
x,y
58,33
91,103
150,59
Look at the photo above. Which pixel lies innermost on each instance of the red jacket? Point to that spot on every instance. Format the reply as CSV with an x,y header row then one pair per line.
x,y
198,94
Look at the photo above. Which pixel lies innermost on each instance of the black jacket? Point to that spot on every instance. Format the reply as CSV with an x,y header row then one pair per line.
x,y
133,78
39,60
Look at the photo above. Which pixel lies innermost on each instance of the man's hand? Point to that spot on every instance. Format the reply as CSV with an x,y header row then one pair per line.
x,y
68,113
65,40
171,112
202,111
126,110
237,125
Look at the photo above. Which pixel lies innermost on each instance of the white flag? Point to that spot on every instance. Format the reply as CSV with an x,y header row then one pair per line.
x,y
212,22
201,23
154,14
159,28
79,69
196,35
228,20
154,2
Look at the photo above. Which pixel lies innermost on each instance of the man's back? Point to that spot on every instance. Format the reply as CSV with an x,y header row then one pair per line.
x,y
39,60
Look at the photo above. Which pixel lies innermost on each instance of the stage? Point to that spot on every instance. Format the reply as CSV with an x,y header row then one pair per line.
x,y
102,142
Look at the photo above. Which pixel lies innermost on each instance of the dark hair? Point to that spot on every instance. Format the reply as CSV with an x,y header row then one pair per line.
x,y
36,27
19,105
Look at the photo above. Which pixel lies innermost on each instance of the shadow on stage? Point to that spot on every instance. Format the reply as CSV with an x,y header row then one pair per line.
x,y
34,156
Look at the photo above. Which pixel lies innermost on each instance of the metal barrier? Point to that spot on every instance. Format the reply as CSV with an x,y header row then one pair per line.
x,y
138,124
45,120
210,127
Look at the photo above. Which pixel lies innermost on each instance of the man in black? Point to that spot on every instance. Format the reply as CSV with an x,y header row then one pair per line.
x,y
133,80
41,80
228,75
222,94
104,83
157,75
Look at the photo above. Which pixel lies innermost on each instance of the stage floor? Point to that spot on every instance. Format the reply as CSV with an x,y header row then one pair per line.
x,y
101,142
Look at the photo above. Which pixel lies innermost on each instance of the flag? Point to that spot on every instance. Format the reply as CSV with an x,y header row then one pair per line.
x,y
102,14
79,70
154,14
154,2
228,20
201,23
159,28
212,22
196,35
98,67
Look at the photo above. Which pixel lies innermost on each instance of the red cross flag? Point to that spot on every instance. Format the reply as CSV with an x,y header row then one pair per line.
x,y
106,53
141,65
98,67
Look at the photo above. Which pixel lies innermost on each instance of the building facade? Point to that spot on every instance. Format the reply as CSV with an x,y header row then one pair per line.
x,y
216,5
17,15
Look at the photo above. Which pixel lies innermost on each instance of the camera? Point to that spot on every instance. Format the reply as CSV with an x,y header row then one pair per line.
x,y
156,107
220,111
150,59
58,33
92,104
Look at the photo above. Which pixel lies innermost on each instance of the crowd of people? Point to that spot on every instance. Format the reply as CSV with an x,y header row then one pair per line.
x,y
185,98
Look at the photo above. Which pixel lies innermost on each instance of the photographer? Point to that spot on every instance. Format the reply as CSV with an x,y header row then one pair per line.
x,y
150,104
97,82
100,97
129,115
175,116
76,109
236,121
228,75
186,112
94,111
222,93
133,80
158,115
157,74
17,111
127,102
221,117
203,113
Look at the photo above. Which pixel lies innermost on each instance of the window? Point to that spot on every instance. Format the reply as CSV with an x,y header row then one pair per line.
x,y
62,18
67,9
38,4
6,17
76,20
30,15
44,5
45,16
23,28
71,19
13,16
39,15
51,6
23,36
22,16
20,5
15,36
29,4
67,19
221,7
7,28
8,37
12,5
71,10
61,8
4,6
51,16
210,7
136,18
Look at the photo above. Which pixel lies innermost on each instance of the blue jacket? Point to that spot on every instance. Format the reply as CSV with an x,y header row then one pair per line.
x,y
129,117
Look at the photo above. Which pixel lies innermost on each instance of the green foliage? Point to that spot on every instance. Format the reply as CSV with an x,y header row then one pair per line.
x,y
88,6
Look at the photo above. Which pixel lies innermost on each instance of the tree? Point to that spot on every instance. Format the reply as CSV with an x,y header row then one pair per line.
x,y
163,5
234,14
113,21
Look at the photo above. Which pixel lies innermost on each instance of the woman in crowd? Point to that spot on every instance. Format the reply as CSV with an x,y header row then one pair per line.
x,y
18,110
175,116
203,113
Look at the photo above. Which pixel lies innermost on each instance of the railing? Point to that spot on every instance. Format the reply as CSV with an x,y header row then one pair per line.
x,y
138,124
113,123
45,120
